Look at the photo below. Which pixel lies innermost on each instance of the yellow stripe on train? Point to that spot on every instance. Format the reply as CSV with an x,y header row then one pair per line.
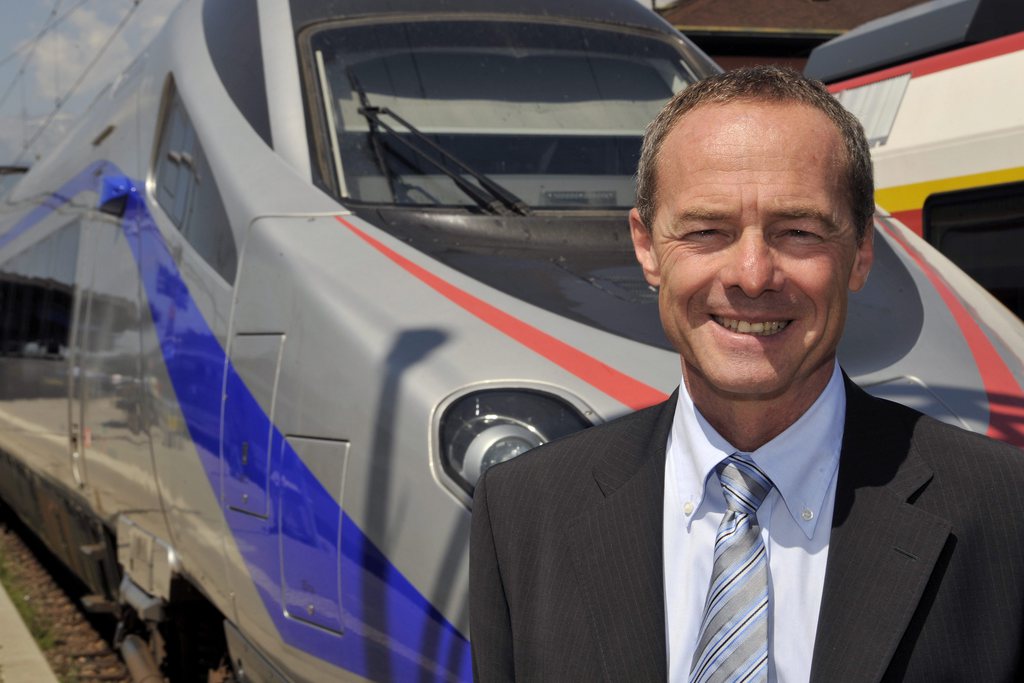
x,y
913,196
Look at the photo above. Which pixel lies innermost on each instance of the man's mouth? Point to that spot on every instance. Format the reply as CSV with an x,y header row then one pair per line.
x,y
762,329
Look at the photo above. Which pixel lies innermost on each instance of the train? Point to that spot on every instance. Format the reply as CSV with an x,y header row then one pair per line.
x,y
305,269
939,89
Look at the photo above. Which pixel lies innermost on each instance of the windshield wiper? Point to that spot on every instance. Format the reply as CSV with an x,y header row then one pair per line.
x,y
487,193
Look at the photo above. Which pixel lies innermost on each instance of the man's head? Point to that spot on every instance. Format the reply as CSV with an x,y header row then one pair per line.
x,y
753,243
762,84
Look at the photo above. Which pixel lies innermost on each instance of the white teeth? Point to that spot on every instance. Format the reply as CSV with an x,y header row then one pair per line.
x,y
757,329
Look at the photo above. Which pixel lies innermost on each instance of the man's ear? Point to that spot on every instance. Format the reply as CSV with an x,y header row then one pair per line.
x,y
863,260
643,246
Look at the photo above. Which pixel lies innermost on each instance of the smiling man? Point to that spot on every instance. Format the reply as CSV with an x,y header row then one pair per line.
x,y
753,246
770,521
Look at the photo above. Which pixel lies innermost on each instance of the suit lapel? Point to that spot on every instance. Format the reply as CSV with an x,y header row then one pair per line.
x,y
616,547
882,550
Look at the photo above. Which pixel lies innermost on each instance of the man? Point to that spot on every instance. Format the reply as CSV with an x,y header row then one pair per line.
x,y
770,521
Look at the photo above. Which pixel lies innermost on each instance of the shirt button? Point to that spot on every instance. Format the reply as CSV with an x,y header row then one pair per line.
x,y
807,514
688,508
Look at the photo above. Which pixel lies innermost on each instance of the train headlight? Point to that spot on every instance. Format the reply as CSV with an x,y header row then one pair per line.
x,y
487,427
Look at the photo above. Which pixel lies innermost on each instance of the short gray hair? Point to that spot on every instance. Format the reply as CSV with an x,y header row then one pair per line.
x,y
761,84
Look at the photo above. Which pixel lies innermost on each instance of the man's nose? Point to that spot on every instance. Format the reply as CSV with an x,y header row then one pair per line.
x,y
752,265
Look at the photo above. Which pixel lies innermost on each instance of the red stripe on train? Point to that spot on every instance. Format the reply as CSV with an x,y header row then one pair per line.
x,y
1005,397
621,387
942,62
912,218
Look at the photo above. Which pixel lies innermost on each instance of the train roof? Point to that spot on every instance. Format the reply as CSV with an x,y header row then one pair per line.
x,y
619,12
915,32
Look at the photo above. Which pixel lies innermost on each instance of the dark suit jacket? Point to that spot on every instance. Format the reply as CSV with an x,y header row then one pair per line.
x,y
925,573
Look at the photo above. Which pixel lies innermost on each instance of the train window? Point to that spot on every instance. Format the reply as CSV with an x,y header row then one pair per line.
x,y
187,192
982,231
36,295
425,113
232,31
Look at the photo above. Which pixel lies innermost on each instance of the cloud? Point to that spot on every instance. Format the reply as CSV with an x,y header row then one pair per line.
x,y
15,131
62,58
151,16
63,54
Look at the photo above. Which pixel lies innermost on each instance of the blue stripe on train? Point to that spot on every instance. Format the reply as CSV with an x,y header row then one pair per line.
x,y
391,632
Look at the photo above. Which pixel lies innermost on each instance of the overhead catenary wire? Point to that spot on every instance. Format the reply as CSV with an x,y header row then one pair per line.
x,y
56,62
31,46
78,82
29,50
49,26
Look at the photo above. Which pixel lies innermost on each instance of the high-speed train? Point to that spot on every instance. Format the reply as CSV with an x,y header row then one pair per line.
x,y
307,268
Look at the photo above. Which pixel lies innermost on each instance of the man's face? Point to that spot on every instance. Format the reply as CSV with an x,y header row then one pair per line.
x,y
753,249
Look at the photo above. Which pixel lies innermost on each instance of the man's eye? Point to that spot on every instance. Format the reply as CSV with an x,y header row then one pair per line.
x,y
705,234
801,235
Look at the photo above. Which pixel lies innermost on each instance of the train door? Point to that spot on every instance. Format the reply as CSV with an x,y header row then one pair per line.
x,y
75,379
109,417
36,294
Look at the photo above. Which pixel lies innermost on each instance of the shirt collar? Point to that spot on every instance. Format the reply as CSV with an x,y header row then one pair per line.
x,y
800,461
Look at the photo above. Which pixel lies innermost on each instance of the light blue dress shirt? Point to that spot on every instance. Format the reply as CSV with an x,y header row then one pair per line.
x,y
795,520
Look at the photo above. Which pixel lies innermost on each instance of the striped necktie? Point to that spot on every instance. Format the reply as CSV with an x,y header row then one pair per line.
x,y
733,643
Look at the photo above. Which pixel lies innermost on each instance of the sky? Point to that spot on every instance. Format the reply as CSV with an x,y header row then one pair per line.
x,y
37,74
40,72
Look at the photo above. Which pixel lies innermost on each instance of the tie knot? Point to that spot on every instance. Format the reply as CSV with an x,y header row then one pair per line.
x,y
744,484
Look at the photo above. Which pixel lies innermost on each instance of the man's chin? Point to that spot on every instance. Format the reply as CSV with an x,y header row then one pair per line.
x,y
746,385
756,383
751,389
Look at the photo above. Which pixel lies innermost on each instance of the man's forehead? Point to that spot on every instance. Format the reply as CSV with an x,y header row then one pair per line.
x,y
726,119
713,133
770,144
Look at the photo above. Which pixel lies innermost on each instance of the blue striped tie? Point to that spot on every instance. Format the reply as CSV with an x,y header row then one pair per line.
x,y
733,643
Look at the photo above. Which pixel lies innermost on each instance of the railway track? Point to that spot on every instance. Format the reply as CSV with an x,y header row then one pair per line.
x,y
77,645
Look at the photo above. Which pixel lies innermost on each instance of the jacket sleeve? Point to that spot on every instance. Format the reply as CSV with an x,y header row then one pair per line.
x,y
489,622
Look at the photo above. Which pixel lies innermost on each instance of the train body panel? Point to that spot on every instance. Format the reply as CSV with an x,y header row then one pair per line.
x,y
952,123
273,397
305,275
940,101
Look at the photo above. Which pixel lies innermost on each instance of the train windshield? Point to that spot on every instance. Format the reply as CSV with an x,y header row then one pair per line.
x,y
509,116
